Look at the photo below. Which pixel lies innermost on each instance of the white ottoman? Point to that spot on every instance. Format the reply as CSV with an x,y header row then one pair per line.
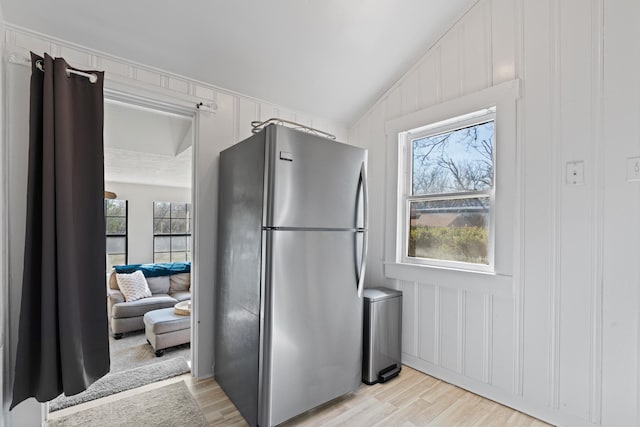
x,y
164,328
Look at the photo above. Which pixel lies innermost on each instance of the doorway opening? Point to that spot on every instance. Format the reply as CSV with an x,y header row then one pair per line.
x,y
149,205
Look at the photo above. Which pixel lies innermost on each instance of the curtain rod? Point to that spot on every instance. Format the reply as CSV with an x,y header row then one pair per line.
x,y
39,65
119,94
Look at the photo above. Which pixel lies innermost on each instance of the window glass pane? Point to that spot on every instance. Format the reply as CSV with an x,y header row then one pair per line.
x,y
171,219
178,256
178,226
116,245
452,230
455,161
114,207
161,226
161,209
162,244
162,257
115,260
178,210
116,225
179,243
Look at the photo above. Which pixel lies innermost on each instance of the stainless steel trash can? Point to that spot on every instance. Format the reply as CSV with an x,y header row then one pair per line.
x,y
382,335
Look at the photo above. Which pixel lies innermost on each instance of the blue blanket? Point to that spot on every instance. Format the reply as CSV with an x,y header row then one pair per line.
x,y
155,270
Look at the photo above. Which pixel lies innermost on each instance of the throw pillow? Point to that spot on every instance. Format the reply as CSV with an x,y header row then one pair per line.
x,y
133,286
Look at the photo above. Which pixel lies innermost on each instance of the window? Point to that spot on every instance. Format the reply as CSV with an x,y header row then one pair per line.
x,y
171,231
449,191
461,204
115,213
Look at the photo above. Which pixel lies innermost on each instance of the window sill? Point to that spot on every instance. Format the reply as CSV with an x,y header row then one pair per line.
x,y
467,280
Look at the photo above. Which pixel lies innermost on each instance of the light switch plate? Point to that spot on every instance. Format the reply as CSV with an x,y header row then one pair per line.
x,y
633,169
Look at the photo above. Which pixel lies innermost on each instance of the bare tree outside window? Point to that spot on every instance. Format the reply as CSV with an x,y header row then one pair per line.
x,y
115,212
453,162
171,231
452,178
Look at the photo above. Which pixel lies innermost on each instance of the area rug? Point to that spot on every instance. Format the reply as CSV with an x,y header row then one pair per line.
x,y
133,350
171,405
124,380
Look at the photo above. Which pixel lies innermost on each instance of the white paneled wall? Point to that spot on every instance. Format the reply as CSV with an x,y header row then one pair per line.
x,y
560,339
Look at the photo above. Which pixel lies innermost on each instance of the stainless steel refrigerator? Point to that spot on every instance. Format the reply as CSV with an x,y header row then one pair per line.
x,y
290,261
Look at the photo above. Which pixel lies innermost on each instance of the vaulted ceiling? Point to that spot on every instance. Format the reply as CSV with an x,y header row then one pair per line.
x,y
329,58
145,146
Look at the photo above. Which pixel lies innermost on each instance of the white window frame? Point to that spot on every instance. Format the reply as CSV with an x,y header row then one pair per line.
x,y
125,235
432,129
504,97
171,234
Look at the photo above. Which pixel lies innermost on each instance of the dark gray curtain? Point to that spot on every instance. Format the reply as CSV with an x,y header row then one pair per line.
x,y
63,343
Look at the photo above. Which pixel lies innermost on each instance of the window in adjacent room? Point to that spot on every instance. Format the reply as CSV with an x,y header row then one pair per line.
x,y
115,212
171,231
449,170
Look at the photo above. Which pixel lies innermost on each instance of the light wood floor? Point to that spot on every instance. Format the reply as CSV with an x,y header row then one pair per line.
x,y
412,399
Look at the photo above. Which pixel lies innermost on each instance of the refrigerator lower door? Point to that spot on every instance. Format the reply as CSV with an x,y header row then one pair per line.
x,y
313,315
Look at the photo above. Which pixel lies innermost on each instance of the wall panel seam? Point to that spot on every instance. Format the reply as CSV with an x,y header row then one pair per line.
x,y
416,319
597,111
519,274
438,71
461,60
518,271
418,316
488,43
437,335
54,49
556,204
488,339
462,330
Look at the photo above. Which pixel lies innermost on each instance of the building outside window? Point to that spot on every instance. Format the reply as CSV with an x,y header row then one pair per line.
x,y
115,212
171,231
450,192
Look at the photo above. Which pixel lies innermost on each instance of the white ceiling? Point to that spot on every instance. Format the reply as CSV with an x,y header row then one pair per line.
x,y
145,146
330,58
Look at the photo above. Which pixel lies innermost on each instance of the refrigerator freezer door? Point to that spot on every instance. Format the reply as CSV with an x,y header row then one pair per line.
x,y
314,182
314,314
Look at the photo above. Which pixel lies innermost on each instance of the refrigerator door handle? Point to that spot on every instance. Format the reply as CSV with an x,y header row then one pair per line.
x,y
364,231
365,196
363,263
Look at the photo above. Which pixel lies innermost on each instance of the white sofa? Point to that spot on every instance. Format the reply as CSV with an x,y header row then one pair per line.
x,y
127,316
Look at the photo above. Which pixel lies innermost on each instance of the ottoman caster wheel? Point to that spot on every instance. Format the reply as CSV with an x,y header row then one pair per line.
x,y
117,336
159,353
